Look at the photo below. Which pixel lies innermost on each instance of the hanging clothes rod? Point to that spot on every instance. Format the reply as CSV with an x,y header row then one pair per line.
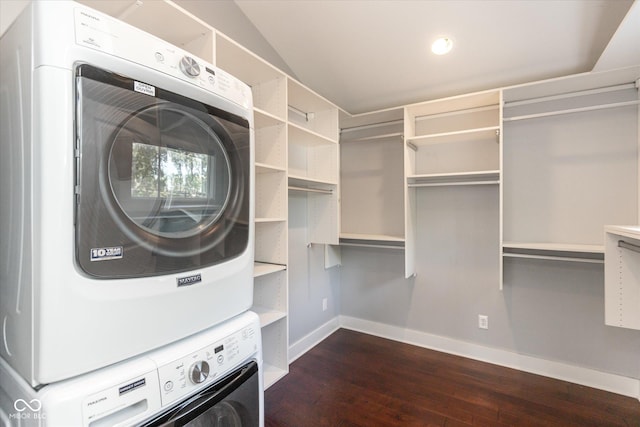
x,y
555,258
595,91
453,183
305,115
457,112
372,126
629,246
571,111
310,190
374,138
367,245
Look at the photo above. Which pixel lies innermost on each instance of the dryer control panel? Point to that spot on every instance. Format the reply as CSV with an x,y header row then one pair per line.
x,y
98,31
186,374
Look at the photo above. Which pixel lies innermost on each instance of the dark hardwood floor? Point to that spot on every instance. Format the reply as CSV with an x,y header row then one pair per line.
x,y
354,379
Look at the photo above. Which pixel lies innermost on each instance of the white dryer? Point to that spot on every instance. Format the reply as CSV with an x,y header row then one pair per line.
x,y
127,197
211,379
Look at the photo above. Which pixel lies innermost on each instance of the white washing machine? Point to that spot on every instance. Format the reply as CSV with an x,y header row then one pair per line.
x,y
211,379
127,197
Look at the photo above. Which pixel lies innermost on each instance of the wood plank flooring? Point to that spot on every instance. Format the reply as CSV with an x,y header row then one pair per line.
x,y
354,379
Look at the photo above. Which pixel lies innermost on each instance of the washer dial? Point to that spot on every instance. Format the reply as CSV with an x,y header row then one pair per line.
x,y
189,66
199,372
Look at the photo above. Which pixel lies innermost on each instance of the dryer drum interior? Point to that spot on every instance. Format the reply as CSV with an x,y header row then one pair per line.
x,y
162,180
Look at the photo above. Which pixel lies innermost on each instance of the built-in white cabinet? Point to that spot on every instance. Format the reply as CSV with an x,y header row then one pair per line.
x,y
622,276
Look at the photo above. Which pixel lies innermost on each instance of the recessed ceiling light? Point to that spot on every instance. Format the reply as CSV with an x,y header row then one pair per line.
x,y
441,46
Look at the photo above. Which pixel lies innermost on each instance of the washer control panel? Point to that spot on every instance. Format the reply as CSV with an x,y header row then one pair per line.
x,y
186,374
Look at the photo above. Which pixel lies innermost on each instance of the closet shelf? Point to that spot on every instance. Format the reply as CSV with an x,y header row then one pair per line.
x,y
572,111
490,177
263,268
465,135
272,374
266,168
268,316
264,119
554,251
300,135
372,240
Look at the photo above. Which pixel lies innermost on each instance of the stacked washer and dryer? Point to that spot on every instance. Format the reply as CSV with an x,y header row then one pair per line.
x,y
126,238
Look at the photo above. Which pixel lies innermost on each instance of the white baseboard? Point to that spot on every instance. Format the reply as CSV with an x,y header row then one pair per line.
x,y
584,376
310,340
588,377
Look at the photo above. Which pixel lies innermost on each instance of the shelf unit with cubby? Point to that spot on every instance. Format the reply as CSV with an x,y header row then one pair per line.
x,y
451,142
269,89
570,164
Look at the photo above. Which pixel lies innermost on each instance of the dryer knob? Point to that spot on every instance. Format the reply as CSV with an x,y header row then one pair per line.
x,y
189,66
199,372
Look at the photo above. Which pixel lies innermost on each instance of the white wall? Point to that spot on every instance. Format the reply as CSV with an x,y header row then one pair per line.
x,y
9,10
309,282
549,310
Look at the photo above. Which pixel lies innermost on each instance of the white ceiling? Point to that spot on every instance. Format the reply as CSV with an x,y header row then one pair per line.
x,y
366,55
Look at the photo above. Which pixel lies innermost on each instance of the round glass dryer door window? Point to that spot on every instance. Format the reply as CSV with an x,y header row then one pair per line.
x,y
169,172
163,183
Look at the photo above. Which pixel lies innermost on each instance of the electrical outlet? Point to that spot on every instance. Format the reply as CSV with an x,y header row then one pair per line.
x,y
324,304
483,321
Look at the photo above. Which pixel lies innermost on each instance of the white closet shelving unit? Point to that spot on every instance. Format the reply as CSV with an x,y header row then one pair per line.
x,y
570,165
313,156
270,299
371,179
621,272
449,142
296,150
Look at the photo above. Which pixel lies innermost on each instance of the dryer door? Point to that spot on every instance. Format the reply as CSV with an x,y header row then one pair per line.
x,y
162,180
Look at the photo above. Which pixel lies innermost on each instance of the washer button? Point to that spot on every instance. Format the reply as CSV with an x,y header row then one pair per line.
x,y
168,386
159,57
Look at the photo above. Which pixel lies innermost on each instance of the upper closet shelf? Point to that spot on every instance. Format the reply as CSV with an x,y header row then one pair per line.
x,y
572,110
300,135
464,135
